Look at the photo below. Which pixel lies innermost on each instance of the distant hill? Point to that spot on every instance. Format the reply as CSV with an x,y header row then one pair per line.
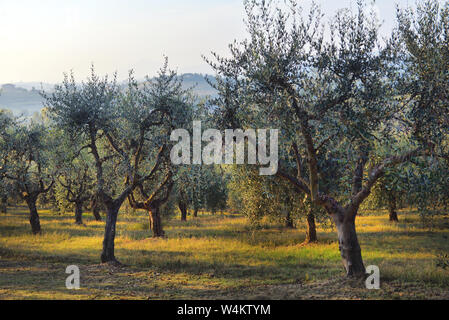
x,y
24,97
201,86
20,100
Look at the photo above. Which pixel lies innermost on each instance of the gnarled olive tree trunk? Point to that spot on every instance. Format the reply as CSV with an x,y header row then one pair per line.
x,y
392,208
34,216
393,215
95,205
107,255
289,221
311,229
183,208
348,244
156,222
4,204
79,213
96,213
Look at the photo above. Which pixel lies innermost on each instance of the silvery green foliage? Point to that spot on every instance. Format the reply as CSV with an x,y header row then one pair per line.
x,y
27,158
425,34
343,88
7,123
428,188
123,128
75,169
344,96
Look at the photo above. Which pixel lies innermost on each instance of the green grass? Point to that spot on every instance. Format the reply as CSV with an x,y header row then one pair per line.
x,y
217,256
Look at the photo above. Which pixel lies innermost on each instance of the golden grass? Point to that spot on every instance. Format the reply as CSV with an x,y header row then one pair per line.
x,y
213,256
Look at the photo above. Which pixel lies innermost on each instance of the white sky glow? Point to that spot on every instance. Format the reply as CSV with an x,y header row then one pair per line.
x,y
39,40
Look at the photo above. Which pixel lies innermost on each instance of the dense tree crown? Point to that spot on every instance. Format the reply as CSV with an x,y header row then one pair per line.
x,y
341,103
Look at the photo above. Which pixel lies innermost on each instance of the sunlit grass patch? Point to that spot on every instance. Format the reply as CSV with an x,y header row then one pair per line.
x,y
209,256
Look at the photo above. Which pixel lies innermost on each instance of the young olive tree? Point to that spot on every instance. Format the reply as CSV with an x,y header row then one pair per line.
x,y
28,165
274,198
77,183
331,99
153,201
75,180
428,188
126,132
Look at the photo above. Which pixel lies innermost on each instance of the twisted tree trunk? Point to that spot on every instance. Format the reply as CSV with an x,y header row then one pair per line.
x,y
311,229
393,215
392,209
96,213
95,205
289,221
4,204
349,246
183,208
107,254
34,216
79,213
156,222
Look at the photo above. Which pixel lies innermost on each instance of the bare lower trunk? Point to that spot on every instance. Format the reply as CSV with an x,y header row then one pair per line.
x,y
107,254
34,216
392,212
96,213
289,221
4,204
350,251
311,229
392,207
195,213
393,216
183,209
156,222
78,213
95,205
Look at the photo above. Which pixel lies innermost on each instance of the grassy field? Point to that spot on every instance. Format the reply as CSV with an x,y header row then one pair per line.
x,y
218,256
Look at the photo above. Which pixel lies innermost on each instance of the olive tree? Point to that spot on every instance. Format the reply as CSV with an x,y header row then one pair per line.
x,y
7,122
153,201
124,130
331,98
28,165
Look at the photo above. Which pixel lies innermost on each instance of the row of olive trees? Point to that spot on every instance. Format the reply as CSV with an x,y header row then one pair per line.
x,y
126,133
340,101
99,143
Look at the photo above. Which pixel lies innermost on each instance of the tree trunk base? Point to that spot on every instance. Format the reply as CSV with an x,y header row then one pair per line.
x,y
289,223
114,263
307,242
34,216
96,214
394,216
183,208
350,251
311,236
156,223
78,213
4,205
107,255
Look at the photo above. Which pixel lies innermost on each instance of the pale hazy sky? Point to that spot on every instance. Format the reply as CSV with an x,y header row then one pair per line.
x,y
39,40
